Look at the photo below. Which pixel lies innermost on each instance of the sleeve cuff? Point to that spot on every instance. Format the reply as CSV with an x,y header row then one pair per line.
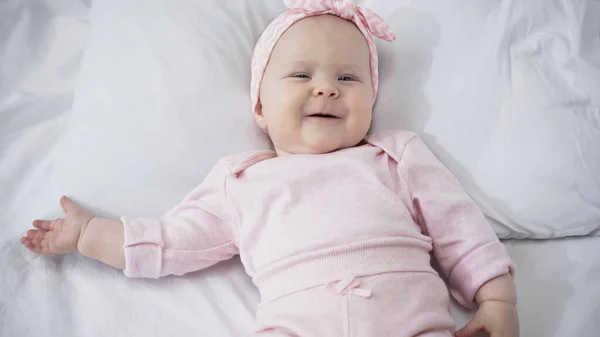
x,y
143,247
477,268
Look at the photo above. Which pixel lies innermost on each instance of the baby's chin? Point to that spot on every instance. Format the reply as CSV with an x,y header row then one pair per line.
x,y
327,144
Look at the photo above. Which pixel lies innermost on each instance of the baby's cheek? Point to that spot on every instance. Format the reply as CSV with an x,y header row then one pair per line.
x,y
361,122
285,126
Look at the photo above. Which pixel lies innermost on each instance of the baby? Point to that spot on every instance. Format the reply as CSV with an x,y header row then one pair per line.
x,y
334,226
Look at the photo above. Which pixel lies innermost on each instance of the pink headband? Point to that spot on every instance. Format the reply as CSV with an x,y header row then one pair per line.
x,y
366,20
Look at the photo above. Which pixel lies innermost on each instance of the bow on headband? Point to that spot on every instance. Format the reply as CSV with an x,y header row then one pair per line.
x,y
346,10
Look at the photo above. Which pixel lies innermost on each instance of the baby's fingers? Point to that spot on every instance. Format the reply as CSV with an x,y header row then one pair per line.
x,y
47,225
34,240
36,234
28,243
471,329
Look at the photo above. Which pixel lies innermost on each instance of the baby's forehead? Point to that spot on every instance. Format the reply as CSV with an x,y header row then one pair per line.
x,y
319,34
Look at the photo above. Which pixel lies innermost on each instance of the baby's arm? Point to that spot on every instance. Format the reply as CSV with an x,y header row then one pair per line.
x,y
102,239
464,244
194,235
469,253
497,313
500,289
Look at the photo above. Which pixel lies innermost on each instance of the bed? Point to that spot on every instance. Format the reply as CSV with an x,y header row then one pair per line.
x,y
67,80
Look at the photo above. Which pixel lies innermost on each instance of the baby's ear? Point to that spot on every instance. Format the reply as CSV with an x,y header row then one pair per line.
x,y
259,117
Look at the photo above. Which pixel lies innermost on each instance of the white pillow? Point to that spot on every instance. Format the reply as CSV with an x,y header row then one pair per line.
x,y
163,93
507,94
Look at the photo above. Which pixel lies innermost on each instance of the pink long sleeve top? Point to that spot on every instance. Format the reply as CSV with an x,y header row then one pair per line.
x,y
380,206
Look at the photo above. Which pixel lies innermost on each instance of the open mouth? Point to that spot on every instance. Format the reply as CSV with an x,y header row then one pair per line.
x,y
323,116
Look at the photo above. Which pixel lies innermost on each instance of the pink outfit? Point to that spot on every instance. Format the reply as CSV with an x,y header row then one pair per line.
x,y
367,21
399,304
366,216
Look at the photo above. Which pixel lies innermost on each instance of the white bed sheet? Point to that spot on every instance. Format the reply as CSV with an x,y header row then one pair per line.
x,y
40,48
557,284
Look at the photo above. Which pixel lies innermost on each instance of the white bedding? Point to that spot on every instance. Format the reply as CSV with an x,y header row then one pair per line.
x,y
557,284
41,43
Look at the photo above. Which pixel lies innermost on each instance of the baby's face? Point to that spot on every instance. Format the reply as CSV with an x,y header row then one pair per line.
x,y
316,94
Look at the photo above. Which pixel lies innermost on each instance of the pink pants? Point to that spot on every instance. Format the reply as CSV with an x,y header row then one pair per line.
x,y
395,304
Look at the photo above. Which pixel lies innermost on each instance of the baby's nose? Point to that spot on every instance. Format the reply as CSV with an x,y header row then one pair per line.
x,y
326,90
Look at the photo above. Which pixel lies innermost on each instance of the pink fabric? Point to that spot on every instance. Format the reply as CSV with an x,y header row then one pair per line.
x,y
367,21
303,220
362,306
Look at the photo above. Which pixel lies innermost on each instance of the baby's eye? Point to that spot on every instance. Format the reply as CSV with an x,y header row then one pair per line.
x,y
300,76
346,78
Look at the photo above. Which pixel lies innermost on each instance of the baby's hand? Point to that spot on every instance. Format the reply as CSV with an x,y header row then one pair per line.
x,y
58,236
498,319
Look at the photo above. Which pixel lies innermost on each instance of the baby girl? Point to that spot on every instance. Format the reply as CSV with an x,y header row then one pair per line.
x,y
335,227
